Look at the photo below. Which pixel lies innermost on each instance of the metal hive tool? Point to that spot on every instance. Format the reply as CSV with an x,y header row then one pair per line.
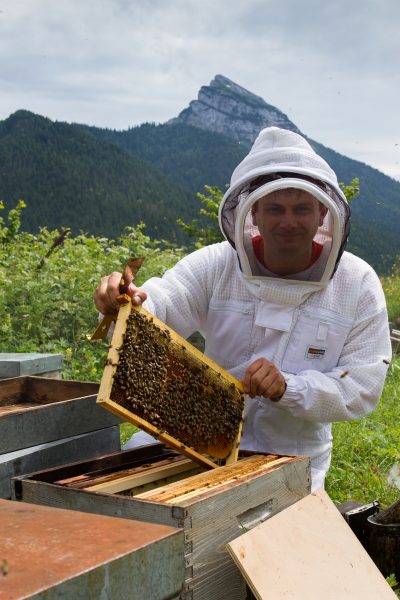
x,y
158,381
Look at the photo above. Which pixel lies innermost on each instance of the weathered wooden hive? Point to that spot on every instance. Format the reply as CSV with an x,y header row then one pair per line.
x,y
46,422
50,553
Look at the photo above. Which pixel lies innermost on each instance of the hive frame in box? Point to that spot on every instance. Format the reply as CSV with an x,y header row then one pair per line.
x,y
106,385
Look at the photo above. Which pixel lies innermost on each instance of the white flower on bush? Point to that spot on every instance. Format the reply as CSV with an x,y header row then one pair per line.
x,y
394,476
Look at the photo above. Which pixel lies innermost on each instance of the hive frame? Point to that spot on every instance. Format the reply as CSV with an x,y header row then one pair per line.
x,y
106,384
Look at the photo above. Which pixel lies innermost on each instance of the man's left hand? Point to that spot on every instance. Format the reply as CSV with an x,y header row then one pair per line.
x,y
263,378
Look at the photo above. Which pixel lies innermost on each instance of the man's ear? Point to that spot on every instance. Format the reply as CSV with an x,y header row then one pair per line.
x,y
322,213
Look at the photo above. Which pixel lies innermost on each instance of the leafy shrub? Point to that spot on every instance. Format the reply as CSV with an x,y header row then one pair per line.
x,y
391,287
46,302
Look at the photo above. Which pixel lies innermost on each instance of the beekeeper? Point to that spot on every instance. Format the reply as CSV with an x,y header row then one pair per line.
x,y
280,304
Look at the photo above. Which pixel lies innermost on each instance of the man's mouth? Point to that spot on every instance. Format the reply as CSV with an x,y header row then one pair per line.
x,y
288,236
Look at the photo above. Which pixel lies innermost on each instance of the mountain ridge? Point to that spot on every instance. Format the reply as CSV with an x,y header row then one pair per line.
x,y
228,108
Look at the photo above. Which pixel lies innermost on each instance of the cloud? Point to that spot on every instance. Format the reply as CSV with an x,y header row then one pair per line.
x,y
331,67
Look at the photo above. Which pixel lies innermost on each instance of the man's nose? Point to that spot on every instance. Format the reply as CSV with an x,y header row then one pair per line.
x,y
288,220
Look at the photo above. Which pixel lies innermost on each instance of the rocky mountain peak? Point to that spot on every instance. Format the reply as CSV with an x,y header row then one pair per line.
x,y
226,107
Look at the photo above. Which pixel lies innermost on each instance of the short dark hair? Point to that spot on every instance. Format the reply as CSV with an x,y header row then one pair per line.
x,y
263,179
254,184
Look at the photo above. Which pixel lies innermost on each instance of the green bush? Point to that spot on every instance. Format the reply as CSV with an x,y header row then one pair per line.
x,y
391,287
46,289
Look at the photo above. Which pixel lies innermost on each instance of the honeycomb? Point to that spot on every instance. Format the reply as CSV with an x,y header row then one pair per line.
x,y
164,380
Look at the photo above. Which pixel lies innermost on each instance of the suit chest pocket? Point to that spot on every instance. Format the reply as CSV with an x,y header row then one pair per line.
x,y
316,341
228,335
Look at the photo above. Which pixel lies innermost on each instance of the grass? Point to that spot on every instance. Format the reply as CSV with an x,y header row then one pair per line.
x,y
365,452
126,431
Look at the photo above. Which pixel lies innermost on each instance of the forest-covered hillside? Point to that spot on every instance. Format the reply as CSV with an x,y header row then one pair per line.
x,y
193,158
100,180
67,177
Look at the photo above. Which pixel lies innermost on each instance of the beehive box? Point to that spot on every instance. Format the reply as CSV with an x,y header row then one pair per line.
x,y
157,380
47,422
48,554
17,364
53,454
36,410
213,507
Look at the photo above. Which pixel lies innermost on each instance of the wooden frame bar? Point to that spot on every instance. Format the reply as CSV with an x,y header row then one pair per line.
x,y
120,481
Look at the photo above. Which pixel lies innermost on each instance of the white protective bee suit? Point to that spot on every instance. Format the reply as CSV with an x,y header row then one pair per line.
x,y
326,329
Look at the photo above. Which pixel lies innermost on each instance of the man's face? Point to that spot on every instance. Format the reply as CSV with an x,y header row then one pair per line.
x,y
288,220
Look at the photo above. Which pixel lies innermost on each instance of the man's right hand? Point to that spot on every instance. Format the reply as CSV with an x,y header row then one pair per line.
x,y
105,296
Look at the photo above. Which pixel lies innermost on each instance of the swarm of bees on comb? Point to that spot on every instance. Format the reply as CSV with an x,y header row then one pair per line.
x,y
166,382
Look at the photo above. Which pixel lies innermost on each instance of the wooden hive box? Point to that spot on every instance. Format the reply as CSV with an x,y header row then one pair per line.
x,y
17,364
36,410
46,422
49,554
53,454
157,485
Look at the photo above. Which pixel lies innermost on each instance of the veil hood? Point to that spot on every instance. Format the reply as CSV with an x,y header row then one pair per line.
x,y
281,159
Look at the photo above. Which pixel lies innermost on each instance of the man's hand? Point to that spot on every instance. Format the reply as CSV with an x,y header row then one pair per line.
x,y
105,296
263,378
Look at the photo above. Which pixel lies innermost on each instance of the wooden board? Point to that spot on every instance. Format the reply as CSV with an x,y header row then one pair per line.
x,y
136,477
204,482
202,454
308,552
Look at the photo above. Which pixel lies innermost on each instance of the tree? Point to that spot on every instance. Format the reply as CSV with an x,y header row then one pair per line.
x,y
9,230
352,190
202,230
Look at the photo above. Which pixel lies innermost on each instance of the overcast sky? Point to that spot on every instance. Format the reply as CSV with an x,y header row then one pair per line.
x,y
332,67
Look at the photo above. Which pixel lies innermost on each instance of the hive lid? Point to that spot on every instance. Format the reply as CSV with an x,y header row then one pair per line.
x,y
15,364
307,552
48,552
154,378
